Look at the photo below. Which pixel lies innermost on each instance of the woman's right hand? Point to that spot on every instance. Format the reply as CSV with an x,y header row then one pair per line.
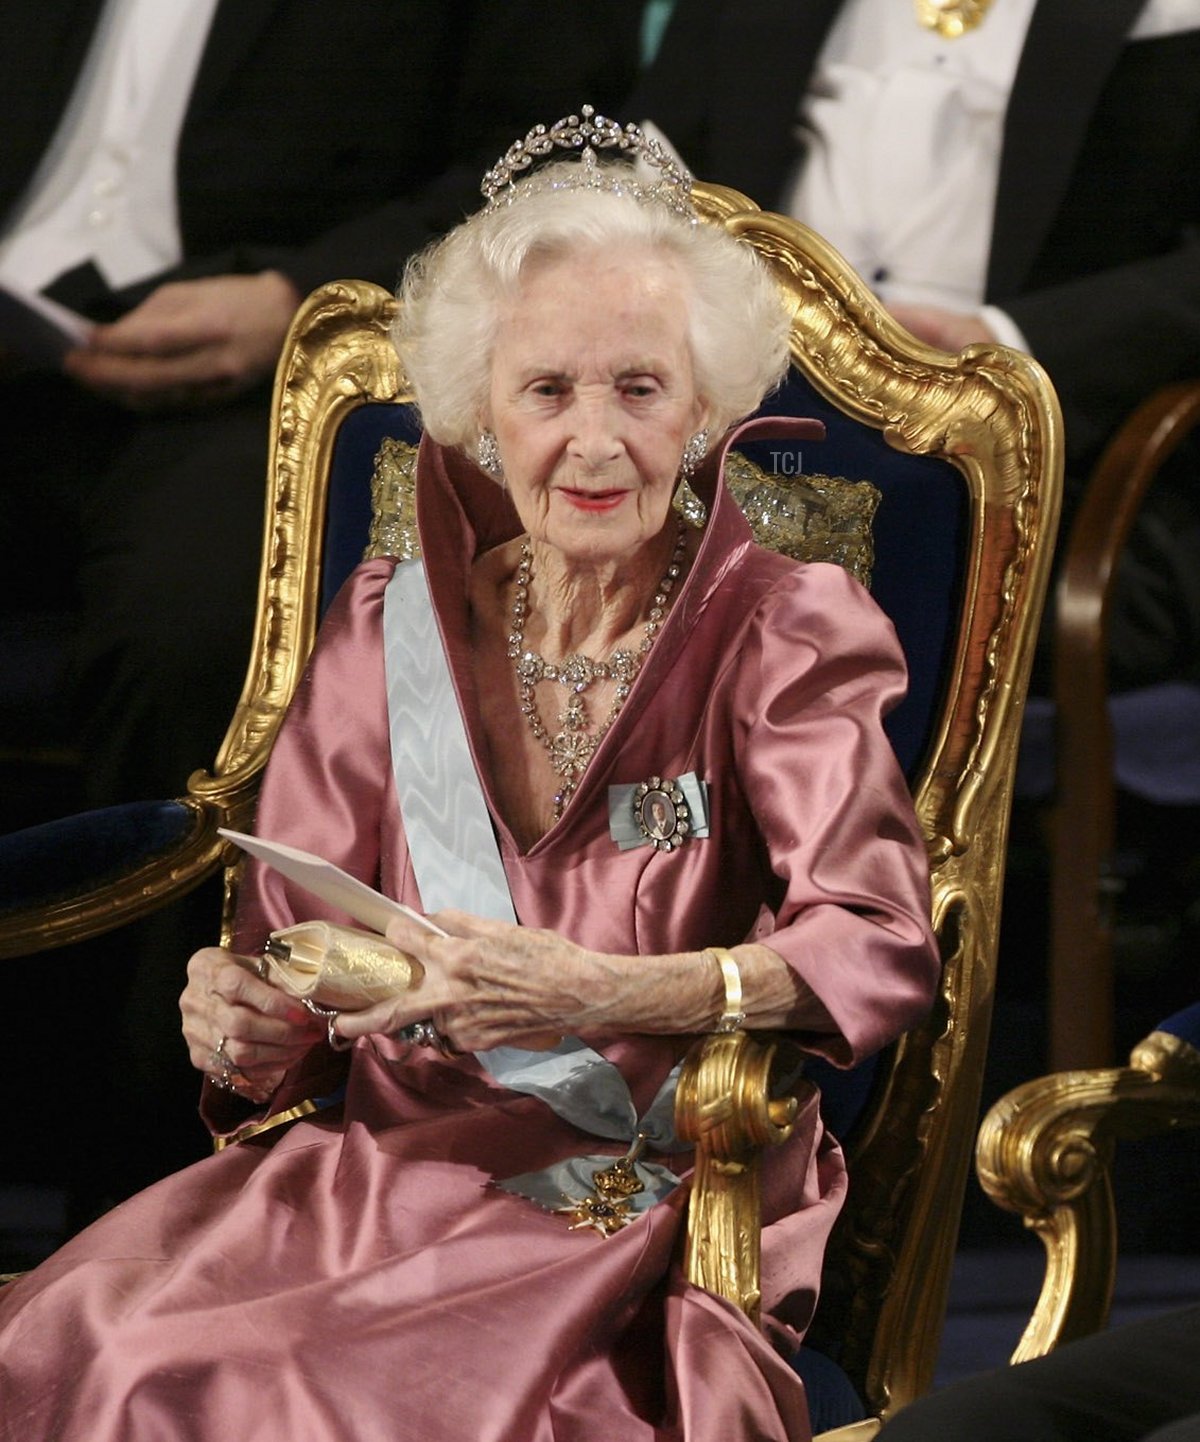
x,y
239,1028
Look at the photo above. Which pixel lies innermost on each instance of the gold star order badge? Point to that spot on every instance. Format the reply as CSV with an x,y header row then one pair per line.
x,y
608,1209
603,1217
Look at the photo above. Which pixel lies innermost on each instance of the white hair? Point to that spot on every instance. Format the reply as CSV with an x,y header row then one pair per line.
x,y
452,294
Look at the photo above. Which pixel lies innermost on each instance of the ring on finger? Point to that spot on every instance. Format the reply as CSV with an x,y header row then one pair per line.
x,y
424,1033
338,1043
329,1016
227,1076
221,1069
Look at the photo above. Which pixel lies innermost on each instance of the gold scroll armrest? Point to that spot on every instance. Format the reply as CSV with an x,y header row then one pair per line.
x,y
724,1107
1045,1152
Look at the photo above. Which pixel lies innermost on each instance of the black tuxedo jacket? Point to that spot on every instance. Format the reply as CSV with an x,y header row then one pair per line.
x,y
1095,249
330,140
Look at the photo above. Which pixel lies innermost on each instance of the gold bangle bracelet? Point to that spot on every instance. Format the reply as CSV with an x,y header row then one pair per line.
x,y
732,1016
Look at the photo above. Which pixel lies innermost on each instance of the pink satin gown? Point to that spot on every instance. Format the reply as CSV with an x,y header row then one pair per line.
x,y
355,1275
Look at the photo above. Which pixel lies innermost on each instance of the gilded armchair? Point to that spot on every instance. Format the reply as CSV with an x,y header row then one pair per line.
x,y
1045,1151
964,458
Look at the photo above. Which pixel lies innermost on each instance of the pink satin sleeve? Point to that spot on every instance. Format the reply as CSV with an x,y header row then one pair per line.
x,y
327,789
814,681
328,785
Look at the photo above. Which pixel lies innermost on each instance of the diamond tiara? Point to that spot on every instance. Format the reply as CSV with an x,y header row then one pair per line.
x,y
588,132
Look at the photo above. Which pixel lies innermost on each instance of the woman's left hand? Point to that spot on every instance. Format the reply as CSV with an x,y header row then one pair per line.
x,y
490,984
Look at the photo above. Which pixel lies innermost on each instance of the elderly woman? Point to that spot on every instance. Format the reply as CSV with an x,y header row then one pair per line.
x,y
658,797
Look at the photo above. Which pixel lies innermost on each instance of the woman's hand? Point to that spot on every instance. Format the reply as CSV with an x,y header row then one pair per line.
x,y
490,984
233,1019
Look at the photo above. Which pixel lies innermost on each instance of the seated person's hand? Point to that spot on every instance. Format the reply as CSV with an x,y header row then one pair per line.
x,y
492,984
240,1030
489,984
190,344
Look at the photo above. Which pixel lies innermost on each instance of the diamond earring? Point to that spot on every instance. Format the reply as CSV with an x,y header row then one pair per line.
x,y
488,453
693,453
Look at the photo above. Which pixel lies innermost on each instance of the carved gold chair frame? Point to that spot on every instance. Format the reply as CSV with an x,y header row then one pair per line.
x,y
991,413
1045,1151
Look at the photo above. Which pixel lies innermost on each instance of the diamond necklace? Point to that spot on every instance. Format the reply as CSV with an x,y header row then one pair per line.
x,y
572,746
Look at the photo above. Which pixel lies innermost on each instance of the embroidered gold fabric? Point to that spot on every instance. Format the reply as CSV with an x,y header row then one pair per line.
x,y
394,503
809,517
338,966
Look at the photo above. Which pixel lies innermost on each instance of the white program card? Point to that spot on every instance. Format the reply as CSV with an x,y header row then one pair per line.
x,y
329,882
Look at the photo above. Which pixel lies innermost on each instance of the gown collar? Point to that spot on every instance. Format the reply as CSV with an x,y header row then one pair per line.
x,y
462,512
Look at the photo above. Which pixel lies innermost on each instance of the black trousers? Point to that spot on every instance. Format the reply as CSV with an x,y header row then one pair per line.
x,y
1139,1382
147,531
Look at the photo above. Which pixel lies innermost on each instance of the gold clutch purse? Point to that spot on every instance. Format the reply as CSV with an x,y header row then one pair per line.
x,y
338,967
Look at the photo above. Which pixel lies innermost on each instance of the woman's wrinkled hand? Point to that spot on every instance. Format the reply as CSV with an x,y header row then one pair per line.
x,y
491,984
239,1028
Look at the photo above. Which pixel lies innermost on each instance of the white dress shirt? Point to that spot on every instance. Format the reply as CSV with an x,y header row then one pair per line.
x,y
105,190
903,132
1166,17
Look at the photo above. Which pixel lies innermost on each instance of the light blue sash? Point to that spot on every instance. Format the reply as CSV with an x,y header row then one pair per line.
x,y
457,863
454,854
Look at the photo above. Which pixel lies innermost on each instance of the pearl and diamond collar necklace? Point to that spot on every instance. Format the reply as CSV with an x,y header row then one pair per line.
x,y
572,745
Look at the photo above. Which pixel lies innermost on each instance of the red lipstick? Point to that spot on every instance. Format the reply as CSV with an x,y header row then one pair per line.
x,y
593,500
